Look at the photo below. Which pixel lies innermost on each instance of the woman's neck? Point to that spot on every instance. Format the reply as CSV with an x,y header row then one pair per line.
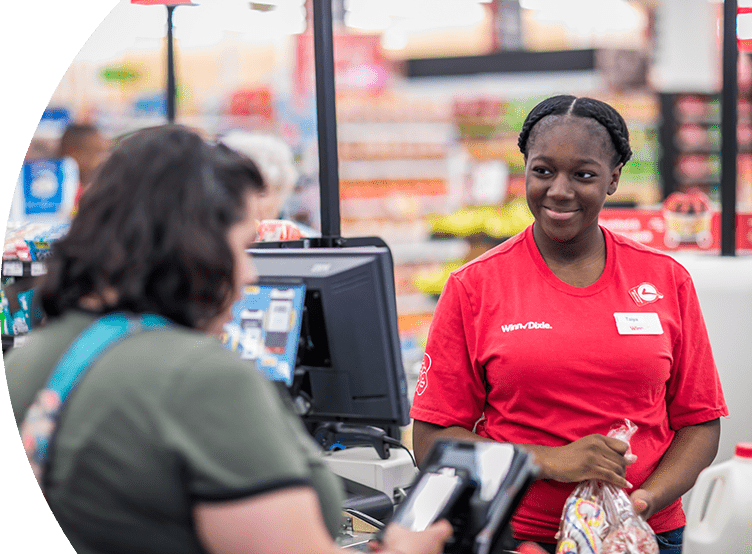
x,y
577,263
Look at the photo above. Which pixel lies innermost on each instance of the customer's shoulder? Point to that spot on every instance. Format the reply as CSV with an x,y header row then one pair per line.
x,y
177,342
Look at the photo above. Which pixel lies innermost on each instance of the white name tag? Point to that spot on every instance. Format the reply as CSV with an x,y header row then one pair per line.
x,y
638,323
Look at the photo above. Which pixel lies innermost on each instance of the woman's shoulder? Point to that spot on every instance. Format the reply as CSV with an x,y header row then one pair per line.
x,y
638,253
181,366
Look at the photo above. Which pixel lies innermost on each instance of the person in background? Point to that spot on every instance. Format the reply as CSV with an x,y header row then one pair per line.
x,y
170,443
88,147
39,149
276,163
564,330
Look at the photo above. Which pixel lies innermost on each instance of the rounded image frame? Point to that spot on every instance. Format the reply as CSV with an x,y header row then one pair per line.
x,y
40,41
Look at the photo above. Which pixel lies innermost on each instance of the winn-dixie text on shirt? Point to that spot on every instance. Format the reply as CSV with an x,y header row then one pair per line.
x,y
528,325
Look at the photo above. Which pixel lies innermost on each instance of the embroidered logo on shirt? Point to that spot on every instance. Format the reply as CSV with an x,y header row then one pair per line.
x,y
423,377
645,293
528,325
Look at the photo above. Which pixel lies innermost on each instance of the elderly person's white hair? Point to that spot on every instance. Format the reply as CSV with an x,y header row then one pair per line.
x,y
274,159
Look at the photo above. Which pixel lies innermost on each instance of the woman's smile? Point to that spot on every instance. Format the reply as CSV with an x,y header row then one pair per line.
x,y
559,214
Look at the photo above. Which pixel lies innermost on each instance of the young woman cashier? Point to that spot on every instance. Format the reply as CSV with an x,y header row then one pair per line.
x,y
564,330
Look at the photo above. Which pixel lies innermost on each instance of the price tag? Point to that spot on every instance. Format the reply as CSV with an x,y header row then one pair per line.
x,y
38,268
13,269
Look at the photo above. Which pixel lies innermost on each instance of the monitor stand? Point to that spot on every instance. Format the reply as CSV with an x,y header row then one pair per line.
x,y
337,436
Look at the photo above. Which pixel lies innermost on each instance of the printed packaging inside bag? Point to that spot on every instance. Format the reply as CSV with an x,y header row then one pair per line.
x,y
598,517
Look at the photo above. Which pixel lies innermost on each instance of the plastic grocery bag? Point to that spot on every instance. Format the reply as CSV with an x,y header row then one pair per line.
x,y
598,517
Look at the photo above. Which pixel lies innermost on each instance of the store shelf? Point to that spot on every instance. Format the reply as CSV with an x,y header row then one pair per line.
x,y
20,268
396,168
12,341
690,137
410,304
429,251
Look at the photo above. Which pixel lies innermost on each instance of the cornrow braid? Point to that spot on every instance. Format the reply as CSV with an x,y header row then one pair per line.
x,y
601,112
555,105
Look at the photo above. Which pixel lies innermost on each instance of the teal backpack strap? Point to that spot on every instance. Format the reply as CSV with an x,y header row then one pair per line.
x,y
40,421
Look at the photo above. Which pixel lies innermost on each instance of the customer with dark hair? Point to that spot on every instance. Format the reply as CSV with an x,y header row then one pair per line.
x,y
564,330
169,443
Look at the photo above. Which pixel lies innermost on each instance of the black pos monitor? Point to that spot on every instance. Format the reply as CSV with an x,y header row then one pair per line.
x,y
347,377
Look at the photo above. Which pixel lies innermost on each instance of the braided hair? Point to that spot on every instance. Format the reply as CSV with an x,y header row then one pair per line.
x,y
580,107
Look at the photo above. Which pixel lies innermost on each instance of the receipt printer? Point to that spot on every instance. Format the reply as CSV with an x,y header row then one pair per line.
x,y
476,486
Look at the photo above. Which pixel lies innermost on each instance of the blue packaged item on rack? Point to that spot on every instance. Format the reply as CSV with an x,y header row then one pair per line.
x,y
20,323
25,299
22,320
38,250
40,243
7,319
46,189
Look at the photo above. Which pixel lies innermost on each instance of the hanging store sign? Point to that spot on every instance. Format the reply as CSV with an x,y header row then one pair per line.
x,y
119,74
744,28
359,63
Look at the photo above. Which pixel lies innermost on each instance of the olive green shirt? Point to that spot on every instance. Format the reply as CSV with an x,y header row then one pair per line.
x,y
164,419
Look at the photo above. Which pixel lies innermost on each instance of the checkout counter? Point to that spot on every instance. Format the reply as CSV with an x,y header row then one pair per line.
x,y
724,287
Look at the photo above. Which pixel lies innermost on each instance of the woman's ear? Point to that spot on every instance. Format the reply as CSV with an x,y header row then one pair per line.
x,y
615,175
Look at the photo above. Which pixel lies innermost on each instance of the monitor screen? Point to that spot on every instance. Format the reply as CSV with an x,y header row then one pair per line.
x,y
266,326
349,362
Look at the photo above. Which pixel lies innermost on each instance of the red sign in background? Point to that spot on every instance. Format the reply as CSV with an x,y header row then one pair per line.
x,y
255,102
744,44
359,63
666,231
